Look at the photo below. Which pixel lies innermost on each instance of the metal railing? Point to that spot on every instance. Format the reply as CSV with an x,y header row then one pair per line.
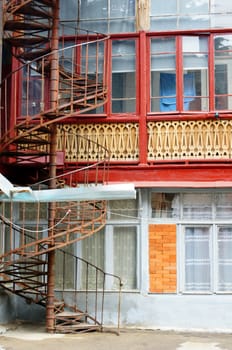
x,y
87,286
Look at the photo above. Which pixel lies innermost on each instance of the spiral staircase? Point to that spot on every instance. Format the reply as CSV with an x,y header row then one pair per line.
x,y
53,83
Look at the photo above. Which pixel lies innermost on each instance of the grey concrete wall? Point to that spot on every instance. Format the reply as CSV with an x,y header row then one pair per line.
x,y
7,307
167,312
29,312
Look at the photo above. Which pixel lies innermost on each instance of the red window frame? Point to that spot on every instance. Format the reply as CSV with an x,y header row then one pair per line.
x,y
180,112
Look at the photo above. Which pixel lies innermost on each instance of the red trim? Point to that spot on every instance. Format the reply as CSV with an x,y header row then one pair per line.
x,y
196,175
191,32
179,74
182,184
152,174
143,139
211,69
109,78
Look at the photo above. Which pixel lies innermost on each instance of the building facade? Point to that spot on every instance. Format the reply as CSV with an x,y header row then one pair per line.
x,y
167,123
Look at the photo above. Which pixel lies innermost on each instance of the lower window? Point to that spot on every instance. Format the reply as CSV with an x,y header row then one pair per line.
x,y
207,258
115,252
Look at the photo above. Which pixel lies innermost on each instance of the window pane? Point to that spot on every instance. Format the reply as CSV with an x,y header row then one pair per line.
x,y
224,205
93,9
197,259
107,15
68,12
160,7
164,205
93,252
195,79
123,210
125,255
163,77
163,23
122,25
223,72
224,258
123,76
122,8
221,21
92,57
31,92
65,268
194,6
191,22
197,206
221,6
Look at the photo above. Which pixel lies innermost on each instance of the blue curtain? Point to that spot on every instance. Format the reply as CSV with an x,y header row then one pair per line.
x,y
168,90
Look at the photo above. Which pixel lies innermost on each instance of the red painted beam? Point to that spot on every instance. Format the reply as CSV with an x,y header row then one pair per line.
x,y
150,175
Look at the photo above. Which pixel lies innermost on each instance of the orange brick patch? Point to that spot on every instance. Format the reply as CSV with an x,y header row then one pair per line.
x,y
162,258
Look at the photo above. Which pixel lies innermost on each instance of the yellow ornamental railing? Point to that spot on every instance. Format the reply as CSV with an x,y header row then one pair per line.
x,y
182,140
121,139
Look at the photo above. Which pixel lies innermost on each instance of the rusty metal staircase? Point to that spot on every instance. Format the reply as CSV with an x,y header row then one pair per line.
x,y
51,82
31,25
25,273
53,87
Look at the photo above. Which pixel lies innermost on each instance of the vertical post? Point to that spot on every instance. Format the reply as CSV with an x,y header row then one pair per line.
x,y
1,40
54,81
143,138
1,37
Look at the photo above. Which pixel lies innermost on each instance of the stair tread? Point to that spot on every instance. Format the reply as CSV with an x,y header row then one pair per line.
x,y
31,55
14,25
46,2
28,9
41,129
24,140
71,314
27,153
81,325
21,41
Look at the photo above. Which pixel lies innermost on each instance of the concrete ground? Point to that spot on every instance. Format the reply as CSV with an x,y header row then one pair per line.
x,y
34,337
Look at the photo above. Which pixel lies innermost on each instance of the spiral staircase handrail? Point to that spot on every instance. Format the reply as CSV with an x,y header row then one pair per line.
x,y
27,133
32,65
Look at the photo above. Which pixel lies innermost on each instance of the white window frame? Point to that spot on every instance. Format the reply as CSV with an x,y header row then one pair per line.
x,y
109,253
182,259
214,258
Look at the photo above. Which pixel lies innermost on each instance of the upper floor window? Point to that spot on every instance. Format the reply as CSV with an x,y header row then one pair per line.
x,y
103,16
180,78
190,14
223,71
187,89
123,84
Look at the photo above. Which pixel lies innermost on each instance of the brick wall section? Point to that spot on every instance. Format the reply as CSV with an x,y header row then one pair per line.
x,y
162,258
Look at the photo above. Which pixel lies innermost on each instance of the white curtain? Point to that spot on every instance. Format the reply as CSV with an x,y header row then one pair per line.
x,y
93,252
197,259
125,248
224,258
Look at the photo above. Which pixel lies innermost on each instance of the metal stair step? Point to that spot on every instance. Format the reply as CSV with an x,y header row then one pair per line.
x,y
26,153
22,41
26,127
45,2
71,322
31,55
75,328
28,9
14,25
34,141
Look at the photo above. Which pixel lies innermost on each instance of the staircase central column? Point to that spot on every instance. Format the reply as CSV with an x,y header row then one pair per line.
x,y
54,87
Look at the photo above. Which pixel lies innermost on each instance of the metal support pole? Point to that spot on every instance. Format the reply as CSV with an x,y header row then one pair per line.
x,y
54,86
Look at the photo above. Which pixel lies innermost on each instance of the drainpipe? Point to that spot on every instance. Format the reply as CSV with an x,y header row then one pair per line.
x,y
54,81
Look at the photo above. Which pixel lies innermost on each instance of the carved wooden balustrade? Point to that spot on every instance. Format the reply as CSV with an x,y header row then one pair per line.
x,y
194,140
